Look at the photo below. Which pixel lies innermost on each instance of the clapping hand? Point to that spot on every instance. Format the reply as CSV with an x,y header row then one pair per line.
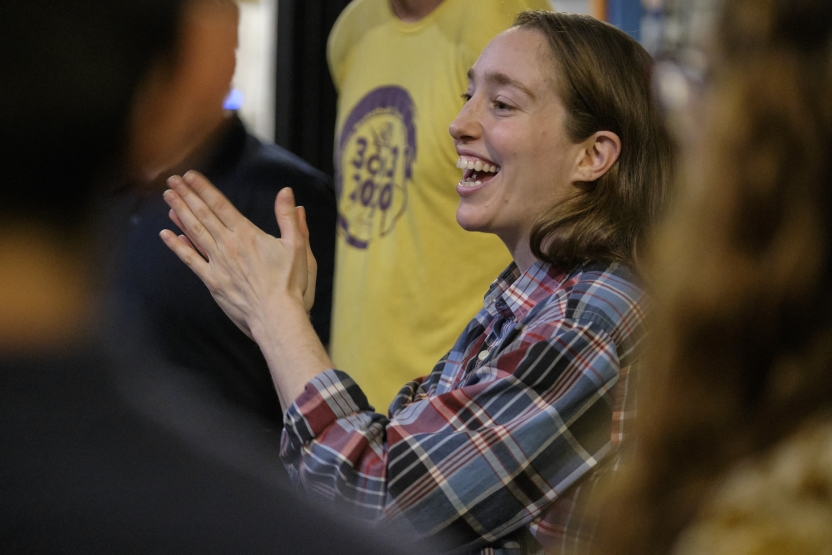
x,y
250,273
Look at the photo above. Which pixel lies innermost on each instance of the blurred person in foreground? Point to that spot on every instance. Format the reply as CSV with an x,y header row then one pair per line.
x,y
564,159
164,299
103,451
733,450
399,67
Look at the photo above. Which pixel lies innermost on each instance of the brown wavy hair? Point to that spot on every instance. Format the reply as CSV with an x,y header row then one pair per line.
x,y
604,82
741,340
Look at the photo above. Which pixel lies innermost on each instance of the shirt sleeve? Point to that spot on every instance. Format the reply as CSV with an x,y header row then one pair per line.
x,y
478,461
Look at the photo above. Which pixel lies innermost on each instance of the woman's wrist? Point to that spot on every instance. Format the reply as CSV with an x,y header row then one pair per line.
x,y
290,346
268,322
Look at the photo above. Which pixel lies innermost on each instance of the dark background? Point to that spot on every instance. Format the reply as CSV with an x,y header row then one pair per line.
x,y
304,95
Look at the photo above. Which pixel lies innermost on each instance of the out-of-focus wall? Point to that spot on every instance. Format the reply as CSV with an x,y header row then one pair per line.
x,y
571,6
595,8
256,55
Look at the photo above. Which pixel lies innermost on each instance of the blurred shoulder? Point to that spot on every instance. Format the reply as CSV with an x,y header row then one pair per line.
x,y
359,17
270,156
272,166
776,502
482,20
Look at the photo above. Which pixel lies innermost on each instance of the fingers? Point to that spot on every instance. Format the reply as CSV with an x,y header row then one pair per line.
x,y
207,205
303,227
188,222
311,263
185,241
287,216
220,206
175,219
186,253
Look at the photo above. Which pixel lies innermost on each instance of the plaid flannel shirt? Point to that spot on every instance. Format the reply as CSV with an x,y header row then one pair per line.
x,y
501,443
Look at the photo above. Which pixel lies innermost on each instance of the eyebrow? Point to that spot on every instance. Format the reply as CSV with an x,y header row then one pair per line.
x,y
502,79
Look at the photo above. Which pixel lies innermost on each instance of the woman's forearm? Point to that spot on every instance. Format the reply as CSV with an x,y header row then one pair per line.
x,y
290,346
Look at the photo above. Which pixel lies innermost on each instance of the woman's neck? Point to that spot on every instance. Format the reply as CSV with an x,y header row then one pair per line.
x,y
523,256
411,11
518,245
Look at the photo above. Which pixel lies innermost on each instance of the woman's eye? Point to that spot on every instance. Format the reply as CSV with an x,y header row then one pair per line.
x,y
502,105
465,97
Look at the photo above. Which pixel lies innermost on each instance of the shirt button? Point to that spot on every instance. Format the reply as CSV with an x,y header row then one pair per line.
x,y
483,355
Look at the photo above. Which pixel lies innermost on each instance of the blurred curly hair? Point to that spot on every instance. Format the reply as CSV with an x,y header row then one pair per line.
x,y
741,346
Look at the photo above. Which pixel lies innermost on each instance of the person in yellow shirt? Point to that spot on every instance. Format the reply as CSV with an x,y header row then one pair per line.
x,y
400,67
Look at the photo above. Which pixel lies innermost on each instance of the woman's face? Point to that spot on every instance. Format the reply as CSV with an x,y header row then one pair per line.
x,y
512,127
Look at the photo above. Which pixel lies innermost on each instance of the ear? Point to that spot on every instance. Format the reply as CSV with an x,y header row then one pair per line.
x,y
597,155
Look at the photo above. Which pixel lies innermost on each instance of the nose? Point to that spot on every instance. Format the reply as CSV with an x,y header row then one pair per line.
x,y
465,126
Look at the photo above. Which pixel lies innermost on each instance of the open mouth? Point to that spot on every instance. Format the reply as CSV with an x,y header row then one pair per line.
x,y
476,172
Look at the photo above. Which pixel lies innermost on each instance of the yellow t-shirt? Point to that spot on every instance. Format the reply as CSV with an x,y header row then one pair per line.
x,y
407,277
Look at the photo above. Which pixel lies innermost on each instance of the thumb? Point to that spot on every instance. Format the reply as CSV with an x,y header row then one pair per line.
x,y
303,228
284,211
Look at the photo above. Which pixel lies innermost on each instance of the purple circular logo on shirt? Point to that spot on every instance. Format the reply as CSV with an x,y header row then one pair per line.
x,y
374,164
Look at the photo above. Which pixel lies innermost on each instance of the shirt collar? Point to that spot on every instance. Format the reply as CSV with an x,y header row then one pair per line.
x,y
513,294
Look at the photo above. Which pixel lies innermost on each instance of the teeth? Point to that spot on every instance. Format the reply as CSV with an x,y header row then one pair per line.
x,y
476,165
470,183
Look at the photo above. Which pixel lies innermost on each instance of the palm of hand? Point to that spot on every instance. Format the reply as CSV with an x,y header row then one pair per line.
x,y
245,269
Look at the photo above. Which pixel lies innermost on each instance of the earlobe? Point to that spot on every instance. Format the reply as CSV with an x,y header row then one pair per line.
x,y
599,153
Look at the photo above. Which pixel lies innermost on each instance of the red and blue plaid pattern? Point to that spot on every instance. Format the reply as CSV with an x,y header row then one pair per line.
x,y
501,444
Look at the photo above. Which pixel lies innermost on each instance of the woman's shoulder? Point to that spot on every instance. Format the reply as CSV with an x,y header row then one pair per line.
x,y
610,291
606,297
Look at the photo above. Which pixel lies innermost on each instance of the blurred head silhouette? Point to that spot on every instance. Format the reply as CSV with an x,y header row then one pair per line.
x,y
91,88
741,350
92,91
